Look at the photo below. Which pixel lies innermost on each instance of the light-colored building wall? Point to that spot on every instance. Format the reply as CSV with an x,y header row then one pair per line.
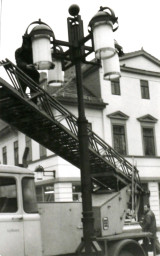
x,y
94,116
154,199
130,102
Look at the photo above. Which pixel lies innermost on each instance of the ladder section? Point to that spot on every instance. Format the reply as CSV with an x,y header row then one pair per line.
x,y
54,127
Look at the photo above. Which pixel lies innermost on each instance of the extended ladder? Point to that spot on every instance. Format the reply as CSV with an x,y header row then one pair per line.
x,y
54,127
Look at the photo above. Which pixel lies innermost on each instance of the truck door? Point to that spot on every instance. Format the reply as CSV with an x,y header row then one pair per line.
x,y
31,219
11,219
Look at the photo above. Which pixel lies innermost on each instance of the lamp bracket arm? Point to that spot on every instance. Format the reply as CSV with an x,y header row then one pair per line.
x,y
97,63
85,39
61,43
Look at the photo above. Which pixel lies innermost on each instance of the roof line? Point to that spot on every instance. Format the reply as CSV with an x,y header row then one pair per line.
x,y
139,53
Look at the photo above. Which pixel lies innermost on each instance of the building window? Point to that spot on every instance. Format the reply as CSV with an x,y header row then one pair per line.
x,y
4,153
45,193
144,89
119,139
29,145
115,87
148,136
42,151
76,192
148,140
16,156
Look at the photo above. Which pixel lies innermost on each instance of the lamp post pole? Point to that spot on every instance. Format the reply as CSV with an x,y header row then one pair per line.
x,y
84,164
75,31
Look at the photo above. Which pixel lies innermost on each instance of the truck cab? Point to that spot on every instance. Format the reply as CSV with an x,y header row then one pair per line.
x,y
19,218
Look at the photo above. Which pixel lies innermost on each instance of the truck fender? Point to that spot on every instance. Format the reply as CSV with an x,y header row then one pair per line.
x,y
126,247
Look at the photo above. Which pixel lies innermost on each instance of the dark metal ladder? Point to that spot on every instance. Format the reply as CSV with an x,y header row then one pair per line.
x,y
54,127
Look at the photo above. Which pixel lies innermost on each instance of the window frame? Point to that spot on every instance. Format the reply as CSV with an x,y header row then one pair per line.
x,y
148,126
16,152
122,124
119,119
76,192
28,142
4,155
45,193
145,94
115,87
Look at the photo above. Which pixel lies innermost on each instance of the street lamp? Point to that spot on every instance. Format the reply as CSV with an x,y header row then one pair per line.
x,y
39,170
111,67
55,74
101,28
40,36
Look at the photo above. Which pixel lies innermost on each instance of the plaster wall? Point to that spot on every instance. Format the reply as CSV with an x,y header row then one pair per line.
x,y
55,163
21,145
48,163
154,199
94,116
149,168
35,150
65,169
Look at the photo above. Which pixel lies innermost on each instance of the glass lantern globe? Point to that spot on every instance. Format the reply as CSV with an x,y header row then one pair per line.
x,y
111,68
102,29
41,48
56,75
39,170
103,40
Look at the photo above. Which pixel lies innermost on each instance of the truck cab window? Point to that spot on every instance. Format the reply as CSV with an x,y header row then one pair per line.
x,y
29,195
8,195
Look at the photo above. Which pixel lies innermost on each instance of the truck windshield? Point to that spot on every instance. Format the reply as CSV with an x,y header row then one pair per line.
x,y
8,195
29,195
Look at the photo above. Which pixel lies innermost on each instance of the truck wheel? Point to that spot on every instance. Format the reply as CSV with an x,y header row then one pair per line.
x,y
126,247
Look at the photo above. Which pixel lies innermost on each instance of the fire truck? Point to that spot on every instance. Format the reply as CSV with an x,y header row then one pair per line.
x,y
28,228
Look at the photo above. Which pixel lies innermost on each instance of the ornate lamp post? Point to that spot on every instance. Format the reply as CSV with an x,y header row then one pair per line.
x,y
101,35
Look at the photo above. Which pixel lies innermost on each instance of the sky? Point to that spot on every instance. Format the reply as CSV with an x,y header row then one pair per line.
x,y
139,22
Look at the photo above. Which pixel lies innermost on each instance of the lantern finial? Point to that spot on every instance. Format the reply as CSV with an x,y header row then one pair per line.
x,y
74,10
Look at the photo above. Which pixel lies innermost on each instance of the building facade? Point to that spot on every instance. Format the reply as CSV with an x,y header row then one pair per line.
x,y
131,118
